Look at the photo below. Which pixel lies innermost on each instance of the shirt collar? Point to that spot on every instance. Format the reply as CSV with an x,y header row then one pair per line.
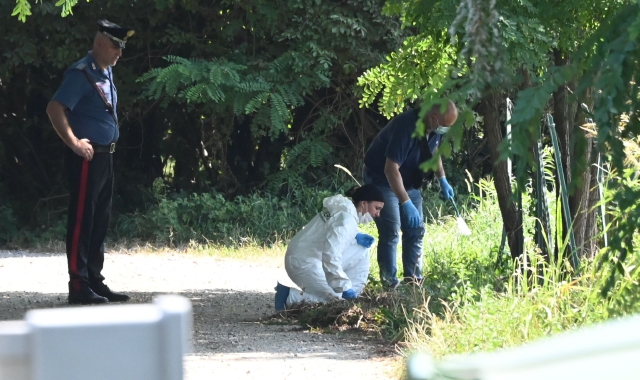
x,y
93,66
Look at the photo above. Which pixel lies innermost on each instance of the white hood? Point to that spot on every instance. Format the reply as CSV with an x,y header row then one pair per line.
x,y
340,203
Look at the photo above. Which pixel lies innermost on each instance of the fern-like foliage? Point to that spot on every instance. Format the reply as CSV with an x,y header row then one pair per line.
x,y
221,84
192,80
310,153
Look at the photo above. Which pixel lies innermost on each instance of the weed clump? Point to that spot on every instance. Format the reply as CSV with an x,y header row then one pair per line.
x,y
375,311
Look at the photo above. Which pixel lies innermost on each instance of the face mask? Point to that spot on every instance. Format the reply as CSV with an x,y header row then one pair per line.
x,y
365,219
441,130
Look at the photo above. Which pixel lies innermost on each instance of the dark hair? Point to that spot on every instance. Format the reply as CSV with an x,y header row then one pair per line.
x,y
367,193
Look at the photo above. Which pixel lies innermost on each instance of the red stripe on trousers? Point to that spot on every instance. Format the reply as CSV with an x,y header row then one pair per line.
x,y
79,213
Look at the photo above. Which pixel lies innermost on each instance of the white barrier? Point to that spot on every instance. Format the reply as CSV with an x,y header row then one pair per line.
x,y
607,351
123,342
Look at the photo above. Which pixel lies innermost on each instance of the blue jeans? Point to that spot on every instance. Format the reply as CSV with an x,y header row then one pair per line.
x,y
390,223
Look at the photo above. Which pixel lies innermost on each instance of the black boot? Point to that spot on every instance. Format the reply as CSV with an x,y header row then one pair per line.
x,y
84,296
103,290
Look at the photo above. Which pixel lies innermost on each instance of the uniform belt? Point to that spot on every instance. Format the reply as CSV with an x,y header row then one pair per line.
x,y
104,148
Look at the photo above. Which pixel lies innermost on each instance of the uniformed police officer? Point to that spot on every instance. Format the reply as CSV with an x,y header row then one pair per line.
x,y
83,113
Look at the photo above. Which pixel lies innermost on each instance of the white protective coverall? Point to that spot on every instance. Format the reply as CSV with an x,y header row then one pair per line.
x,y
323,258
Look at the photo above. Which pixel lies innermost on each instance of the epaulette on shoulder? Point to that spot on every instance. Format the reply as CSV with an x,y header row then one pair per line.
x,y
79,66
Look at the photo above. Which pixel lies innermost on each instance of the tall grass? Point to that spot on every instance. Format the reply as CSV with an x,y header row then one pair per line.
x,y
484,320
470,303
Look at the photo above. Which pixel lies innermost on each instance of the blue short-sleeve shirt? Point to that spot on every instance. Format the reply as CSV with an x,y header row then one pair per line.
x,y
87,113
395,142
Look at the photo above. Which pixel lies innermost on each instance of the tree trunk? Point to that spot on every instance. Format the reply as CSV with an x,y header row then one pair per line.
x,y
512,217
562,118
592,245
579,200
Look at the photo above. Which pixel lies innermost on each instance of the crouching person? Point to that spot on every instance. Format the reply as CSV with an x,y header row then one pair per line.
x,y
329,259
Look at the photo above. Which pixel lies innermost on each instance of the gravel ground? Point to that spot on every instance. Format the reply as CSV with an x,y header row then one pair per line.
x,y
231,300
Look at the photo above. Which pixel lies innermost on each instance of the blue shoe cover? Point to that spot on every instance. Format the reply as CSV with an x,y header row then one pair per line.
x,y
282,292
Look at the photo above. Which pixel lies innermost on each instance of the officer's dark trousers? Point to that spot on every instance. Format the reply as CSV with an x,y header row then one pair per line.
x,y
90,192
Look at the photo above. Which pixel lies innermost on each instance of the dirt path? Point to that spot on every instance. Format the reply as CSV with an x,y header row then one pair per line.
x,y
230,299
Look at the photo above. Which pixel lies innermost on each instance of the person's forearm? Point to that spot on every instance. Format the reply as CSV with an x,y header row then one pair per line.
x,y
60,123
392,171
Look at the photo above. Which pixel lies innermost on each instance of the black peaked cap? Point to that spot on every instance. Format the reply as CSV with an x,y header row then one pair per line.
x,y
116,33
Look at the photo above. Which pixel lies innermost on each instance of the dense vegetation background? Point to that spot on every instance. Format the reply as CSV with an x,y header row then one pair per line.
x,y
234,113
240,98
255,96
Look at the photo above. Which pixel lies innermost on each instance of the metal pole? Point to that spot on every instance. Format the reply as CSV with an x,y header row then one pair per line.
x,y
509,110
510,173
542,205
603,215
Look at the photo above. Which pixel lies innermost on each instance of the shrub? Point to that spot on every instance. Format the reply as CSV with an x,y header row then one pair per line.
x,y
7,225
209,218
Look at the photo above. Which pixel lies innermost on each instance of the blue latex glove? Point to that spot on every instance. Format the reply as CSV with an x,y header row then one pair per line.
x,y
364,239
411,213
349,294
445,189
